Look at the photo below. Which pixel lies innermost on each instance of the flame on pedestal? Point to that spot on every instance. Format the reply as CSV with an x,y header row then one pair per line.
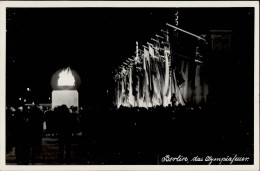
x,y
66,78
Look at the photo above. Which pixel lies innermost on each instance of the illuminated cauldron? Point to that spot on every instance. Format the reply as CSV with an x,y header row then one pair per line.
x,y
65,83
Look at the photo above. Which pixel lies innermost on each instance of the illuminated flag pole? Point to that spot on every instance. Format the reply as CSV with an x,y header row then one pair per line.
x,y
166,32
137,87
145,46
150,44
177,28
155,40
159,36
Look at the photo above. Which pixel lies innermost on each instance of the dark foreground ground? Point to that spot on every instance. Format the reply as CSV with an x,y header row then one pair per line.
x,y
130,136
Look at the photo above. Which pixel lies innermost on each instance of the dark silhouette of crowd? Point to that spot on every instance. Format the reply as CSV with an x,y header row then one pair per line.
x,y
122,135
125,131
24,129
26,125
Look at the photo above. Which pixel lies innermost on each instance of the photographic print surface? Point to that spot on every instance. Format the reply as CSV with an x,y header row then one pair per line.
x,y
129,86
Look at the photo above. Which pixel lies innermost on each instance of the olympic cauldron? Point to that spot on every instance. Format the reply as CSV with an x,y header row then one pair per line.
x,y
65,83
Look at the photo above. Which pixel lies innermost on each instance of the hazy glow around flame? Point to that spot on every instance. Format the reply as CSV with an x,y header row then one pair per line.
x,y
66,78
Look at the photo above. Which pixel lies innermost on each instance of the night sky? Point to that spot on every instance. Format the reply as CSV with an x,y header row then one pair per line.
x,y
95,41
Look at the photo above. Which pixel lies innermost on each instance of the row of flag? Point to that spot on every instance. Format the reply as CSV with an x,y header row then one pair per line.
x,y
160,75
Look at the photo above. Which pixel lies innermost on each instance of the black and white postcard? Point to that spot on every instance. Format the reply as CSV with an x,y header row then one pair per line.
x,y
98,85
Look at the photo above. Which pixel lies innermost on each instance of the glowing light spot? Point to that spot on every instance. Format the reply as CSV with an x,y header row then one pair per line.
x,y
66,78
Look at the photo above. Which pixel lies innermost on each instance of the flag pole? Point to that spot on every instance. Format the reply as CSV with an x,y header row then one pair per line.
x,y
185,32
159,36
166,32
150,44
136,49
145,46
154,40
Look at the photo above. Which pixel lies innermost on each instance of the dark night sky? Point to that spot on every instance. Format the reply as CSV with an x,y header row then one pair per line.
x,y
93,41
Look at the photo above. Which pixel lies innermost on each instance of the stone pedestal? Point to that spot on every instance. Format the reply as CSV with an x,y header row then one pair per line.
x,y
67,97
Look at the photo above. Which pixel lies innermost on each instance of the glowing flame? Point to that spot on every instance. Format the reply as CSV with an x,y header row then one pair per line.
x,y
66,78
